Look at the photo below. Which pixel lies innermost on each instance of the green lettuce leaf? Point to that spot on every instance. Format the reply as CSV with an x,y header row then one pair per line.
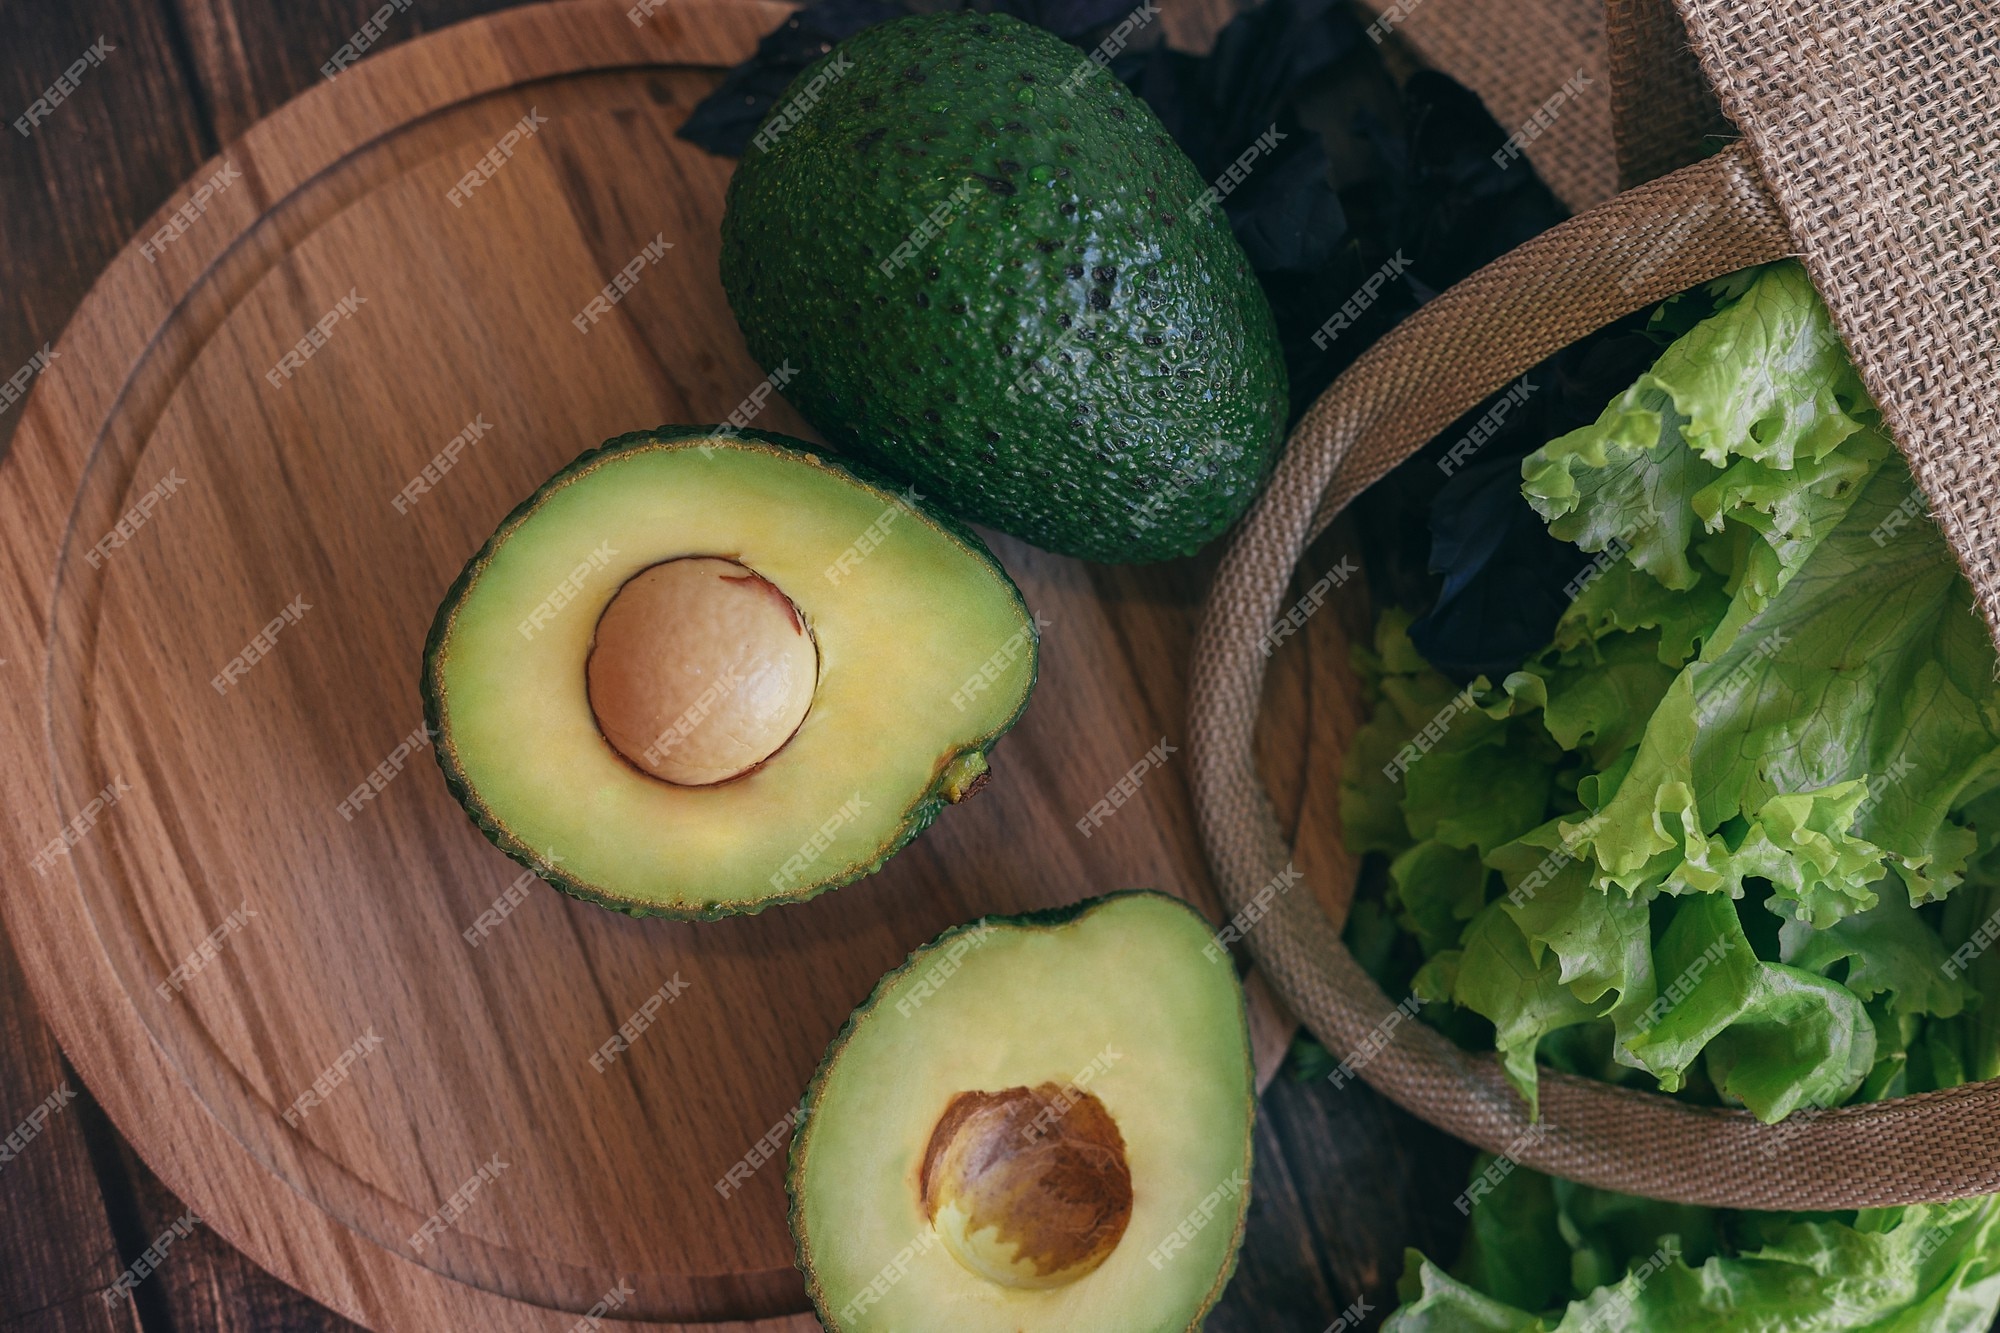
x,y
1923,1269
1600,705
1625,599
1735,831
1764,381
1464,766
1777,1037
1888,951
1499,978
1602,942
1439,889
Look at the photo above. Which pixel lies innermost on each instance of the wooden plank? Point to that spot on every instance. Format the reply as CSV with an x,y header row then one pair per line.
x,y
207,1283
1281,1281
58,1251
78,185
251,57
1378,1180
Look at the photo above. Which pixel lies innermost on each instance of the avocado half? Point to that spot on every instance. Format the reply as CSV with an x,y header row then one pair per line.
x,y
1035,1124
918,649
997,274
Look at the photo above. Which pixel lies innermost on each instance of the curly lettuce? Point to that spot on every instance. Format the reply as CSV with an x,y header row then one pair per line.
x,y
1715,819
1550,1256
1731,836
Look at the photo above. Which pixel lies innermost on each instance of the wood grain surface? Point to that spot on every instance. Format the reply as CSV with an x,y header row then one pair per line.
x,y
284,492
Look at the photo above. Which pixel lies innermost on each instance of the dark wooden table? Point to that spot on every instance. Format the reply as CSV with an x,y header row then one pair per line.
x,y
1343,1180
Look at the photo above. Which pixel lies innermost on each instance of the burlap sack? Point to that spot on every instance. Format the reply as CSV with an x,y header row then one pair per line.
x,y
1861,125
1515,54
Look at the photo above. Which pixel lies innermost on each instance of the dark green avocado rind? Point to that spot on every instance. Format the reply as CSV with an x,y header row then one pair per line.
x,y
915,820
1049,918
1174,343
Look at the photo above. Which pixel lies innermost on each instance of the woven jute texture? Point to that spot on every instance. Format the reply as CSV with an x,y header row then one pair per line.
x,y
1663,113
1705,220
1517,55
1877,123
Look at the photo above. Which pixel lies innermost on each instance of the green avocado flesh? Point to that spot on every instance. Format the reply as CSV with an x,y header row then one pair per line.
x,y
1121,998
926,655
993,272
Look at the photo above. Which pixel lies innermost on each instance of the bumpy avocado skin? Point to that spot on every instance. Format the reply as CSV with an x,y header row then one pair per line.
x,y
993,272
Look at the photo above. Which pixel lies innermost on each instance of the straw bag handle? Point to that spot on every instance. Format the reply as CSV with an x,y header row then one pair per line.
x,y
1703,221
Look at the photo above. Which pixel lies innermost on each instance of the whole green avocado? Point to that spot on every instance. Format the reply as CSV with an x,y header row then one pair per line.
x,y
990,270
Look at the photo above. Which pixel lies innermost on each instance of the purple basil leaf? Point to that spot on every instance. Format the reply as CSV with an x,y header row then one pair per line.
x,y
728,117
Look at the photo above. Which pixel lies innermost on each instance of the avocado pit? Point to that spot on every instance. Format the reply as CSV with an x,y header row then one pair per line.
x,y
701,669
1028,1187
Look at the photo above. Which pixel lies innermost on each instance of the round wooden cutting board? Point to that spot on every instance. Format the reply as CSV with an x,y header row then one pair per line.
x,y
213,618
